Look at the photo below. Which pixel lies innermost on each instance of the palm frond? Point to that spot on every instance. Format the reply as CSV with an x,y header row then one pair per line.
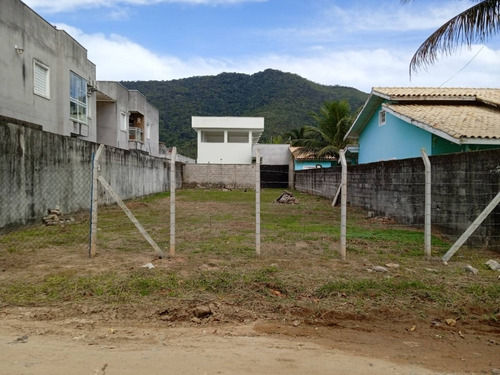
x,y
327,137
474,25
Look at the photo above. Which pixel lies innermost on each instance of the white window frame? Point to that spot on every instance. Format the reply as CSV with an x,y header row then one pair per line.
x,y
237,136
213,136
42,90
76,94
382,117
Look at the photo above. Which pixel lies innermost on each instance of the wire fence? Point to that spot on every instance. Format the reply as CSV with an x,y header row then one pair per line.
x,y
386,213
394,194
46,206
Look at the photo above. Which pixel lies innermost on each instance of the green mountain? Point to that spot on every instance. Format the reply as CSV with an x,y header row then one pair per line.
x,y
285,100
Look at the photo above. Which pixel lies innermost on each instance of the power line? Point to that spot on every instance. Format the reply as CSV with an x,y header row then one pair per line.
x,y
465,66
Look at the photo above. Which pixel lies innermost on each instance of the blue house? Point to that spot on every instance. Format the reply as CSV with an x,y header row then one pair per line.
x,y
396,122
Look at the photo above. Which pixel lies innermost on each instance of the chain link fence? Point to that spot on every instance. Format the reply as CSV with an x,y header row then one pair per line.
x,y
393,195
46,205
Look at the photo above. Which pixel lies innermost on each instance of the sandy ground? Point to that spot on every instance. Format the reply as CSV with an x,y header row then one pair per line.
x,y
45,349
83,334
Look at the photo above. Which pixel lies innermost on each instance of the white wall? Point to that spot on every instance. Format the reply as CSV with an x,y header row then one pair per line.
x,y
225,152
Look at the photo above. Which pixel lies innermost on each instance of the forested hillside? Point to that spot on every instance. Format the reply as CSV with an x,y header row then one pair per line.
x,y
285,100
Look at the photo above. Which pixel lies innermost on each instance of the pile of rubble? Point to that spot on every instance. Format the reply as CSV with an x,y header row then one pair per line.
x,y
56,217
286,198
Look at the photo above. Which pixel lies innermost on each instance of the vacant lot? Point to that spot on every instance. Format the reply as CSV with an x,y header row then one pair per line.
x,y
419,313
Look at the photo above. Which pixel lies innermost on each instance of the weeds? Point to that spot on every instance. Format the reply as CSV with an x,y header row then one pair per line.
x,y
299,268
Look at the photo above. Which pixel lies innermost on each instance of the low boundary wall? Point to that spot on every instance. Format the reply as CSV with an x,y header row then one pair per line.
x,y
41,170
462,186
219,175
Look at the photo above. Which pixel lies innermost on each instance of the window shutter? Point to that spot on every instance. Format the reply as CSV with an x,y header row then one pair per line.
x,y
41,85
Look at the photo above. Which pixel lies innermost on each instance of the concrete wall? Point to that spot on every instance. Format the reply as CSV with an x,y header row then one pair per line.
x,y
272,154
112,111
212,175
117,103
37,40
39,170
224,151
462,186
139,103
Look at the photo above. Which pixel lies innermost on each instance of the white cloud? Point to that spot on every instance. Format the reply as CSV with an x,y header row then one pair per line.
x,y
119,14
395,17
354,25
118,58
55,6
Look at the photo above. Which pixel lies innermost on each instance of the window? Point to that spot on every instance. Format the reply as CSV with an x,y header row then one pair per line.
x,y
148,130
78,98
123,124
41,79
237,137
212,136
381,118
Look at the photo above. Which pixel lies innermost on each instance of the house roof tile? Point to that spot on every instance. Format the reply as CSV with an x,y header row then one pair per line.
x,y
488,95
464,114
300,154
458,121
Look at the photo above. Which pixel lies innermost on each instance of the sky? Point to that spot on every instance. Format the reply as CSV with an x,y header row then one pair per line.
x,y
356,43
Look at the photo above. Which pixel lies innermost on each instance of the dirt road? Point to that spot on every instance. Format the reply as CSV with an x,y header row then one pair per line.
x,y
42,349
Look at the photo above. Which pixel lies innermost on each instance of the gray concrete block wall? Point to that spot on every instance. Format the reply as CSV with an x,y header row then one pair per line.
x,y
462,186
218,175
41,170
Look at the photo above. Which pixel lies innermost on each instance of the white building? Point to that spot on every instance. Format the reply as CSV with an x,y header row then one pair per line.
x,y
226,140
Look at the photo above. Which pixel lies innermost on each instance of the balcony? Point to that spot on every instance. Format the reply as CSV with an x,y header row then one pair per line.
x,y
136,135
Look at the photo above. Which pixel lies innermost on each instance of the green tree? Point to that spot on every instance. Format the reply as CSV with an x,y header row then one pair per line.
x,y
294,134
327,137
275,140
474,25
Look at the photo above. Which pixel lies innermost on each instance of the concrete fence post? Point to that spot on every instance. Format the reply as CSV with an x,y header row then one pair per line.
x,y
172,200
93,226
427,204
477,222
343,207
257,202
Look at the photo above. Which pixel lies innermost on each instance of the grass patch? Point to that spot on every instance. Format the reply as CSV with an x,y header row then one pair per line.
x,y
299,268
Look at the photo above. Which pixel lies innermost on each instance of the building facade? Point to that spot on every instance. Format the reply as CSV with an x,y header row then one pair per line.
x,y
125,119
46,76
226,140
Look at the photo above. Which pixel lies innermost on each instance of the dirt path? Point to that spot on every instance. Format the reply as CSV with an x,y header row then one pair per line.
x,y
46,349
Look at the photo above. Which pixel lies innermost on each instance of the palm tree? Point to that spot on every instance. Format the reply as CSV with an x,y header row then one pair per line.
x,y
294,134
474,25
327,138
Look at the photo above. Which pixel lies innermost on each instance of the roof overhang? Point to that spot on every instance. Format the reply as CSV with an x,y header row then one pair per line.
x,y
378,96
102,97
364,115
440,133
